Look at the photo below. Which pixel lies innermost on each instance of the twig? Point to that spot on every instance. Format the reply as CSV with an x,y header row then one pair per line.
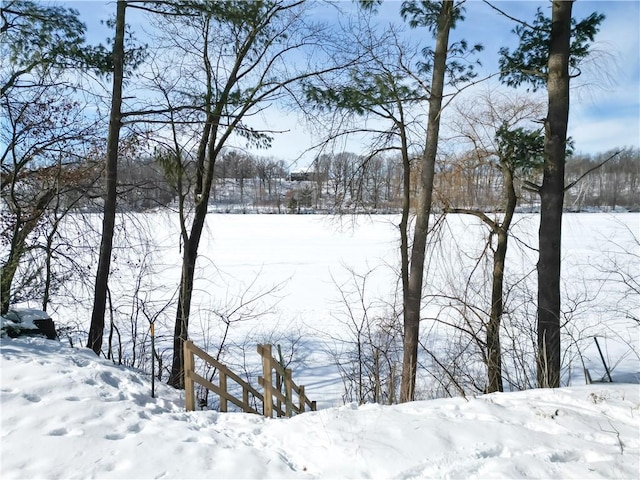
x,y
505,14
572,184
617,434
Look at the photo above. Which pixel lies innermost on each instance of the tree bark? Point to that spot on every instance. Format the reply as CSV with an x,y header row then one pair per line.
x,y
413,297
206,151
552,196
181,329
206,158
494,353
96,330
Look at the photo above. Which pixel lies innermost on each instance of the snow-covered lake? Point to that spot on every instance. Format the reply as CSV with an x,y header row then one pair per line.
x,y
66,413
287,279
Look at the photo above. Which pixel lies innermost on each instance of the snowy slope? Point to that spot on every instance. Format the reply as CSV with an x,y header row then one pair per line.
x,y
68,414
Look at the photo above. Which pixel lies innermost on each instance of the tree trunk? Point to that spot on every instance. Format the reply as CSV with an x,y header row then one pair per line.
x,y
7,273
21,231
206,160
552,196
404,222
494,353
96,330
413,297
181,329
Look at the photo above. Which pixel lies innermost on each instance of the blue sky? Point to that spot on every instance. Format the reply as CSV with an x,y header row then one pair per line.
x,y
605,101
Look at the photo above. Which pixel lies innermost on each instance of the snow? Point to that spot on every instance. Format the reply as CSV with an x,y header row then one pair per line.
x,y
306,259
65,413
23,318
68,414
23,321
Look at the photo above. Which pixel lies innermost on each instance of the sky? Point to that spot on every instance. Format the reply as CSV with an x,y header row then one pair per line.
x,y
605,98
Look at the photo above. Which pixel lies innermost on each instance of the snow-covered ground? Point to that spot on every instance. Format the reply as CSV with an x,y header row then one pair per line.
x,y
68,414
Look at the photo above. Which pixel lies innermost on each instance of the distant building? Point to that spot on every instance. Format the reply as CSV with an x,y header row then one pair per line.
x,y
301,176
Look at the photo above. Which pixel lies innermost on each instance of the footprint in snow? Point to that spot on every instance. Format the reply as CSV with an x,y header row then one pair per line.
x,y
489,452
110,379
565,456
80,362
133,429
61,432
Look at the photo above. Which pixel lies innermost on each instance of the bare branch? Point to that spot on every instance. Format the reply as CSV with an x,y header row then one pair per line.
x,y
572,184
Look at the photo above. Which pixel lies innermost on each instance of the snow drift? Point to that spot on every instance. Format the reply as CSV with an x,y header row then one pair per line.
x,y
69,414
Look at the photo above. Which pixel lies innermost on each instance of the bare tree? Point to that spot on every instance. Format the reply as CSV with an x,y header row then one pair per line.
x,y
495,129
46,130
386,92
233,59
369,355
439,18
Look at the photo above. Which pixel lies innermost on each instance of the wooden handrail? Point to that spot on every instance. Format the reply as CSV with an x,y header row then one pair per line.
x,y
269,364
223,368
191,377
283,377
224,395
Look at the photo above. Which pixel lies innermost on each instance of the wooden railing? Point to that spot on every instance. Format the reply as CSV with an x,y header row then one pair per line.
x,y
224,374
282,379
283,391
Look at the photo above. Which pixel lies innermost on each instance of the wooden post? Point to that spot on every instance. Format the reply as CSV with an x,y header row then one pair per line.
x,y
189,393
302,398
265,351
153,360
377,388
279,389
392,385
288,392
606,369
223,386
245,396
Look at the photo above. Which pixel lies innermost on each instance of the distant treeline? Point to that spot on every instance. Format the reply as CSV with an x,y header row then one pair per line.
x,y
349,182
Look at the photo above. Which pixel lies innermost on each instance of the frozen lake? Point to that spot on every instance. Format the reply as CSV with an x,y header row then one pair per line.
x,y
289,278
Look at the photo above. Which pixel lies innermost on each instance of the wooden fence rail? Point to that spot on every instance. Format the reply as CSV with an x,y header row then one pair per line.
x,y
282,378
271,369
191,377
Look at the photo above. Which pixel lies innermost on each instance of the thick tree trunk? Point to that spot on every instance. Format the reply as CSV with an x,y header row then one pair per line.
x,y
8,272
413,297
552,196
205,165
96,330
